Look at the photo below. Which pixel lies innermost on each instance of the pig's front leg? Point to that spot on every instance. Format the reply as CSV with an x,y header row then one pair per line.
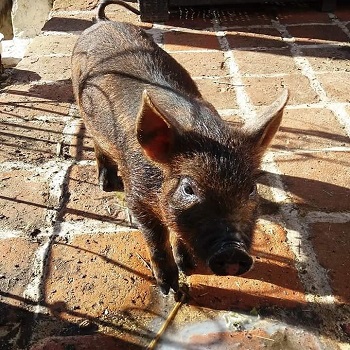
x,y
163,264
183,256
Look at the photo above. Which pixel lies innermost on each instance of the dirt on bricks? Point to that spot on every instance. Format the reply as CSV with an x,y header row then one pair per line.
x,y
74,270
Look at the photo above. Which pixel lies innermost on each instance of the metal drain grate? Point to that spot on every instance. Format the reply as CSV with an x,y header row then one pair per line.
x,y
161,10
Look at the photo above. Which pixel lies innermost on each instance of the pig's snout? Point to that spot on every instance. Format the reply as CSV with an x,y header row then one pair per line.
x,y
230,259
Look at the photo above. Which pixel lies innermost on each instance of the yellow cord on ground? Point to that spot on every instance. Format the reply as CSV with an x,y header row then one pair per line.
x,y
167,322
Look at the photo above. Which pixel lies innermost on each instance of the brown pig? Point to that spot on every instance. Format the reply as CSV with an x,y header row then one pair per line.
x,y
185,171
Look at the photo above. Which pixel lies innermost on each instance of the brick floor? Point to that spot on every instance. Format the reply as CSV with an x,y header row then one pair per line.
x,y
318,34
311,186
74,270
318,129
261,90
255,37
329,240
24,199
116,280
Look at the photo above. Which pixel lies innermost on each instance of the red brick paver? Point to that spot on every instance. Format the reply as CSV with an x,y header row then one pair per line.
x,y
74,270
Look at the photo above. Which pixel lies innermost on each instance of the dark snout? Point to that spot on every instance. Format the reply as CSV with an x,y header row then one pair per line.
x,y
230,259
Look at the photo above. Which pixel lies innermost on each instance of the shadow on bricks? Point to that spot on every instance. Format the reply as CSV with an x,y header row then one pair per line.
x,y
19,323
59,90
59,24
310,194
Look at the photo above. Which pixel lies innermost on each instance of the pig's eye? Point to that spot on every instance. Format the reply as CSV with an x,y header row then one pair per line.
x,y
187,190
186,194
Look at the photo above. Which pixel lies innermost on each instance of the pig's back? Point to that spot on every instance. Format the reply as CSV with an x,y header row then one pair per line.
x,y
113,63
128,53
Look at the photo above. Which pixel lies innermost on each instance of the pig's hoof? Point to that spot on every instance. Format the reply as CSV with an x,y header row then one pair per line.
x,y
164,288
109,181
168,281
166,285
182,295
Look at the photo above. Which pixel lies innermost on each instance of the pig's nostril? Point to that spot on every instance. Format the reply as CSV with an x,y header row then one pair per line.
x,y
230,261
226,269
233,269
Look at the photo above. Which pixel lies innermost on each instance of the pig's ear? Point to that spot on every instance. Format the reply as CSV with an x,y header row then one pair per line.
x,y
264,127
155,130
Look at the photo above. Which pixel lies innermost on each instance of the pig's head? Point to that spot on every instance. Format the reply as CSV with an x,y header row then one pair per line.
x,y
208,197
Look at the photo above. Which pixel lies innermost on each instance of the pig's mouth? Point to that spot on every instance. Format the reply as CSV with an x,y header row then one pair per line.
x,y
230,259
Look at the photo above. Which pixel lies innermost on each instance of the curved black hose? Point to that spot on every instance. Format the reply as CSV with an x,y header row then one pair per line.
x,y
104,3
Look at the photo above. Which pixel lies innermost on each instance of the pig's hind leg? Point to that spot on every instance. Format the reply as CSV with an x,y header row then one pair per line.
x,y
107,171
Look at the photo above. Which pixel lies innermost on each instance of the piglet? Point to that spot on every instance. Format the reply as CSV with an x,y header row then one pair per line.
x,y
189,177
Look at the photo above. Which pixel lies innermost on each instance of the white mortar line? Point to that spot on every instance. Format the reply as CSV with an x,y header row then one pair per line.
x,y
325,24
57,183
66,229
265,75
243,100
320,45
89,226
202,51
339,23
315,280
301,62
261,48
71,130
317,105
252,26
17,165
33,289
297,151
56,175
277,75
269,26
169,29
334,218
57,180
218,78
342,116
306,69
325,45
60,33
9,234
74,13
85,162
57,55
228,112
43,82
42,117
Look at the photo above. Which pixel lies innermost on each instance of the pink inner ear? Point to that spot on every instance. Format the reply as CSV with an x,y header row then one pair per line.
x,y
155,131
269,133
157,144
